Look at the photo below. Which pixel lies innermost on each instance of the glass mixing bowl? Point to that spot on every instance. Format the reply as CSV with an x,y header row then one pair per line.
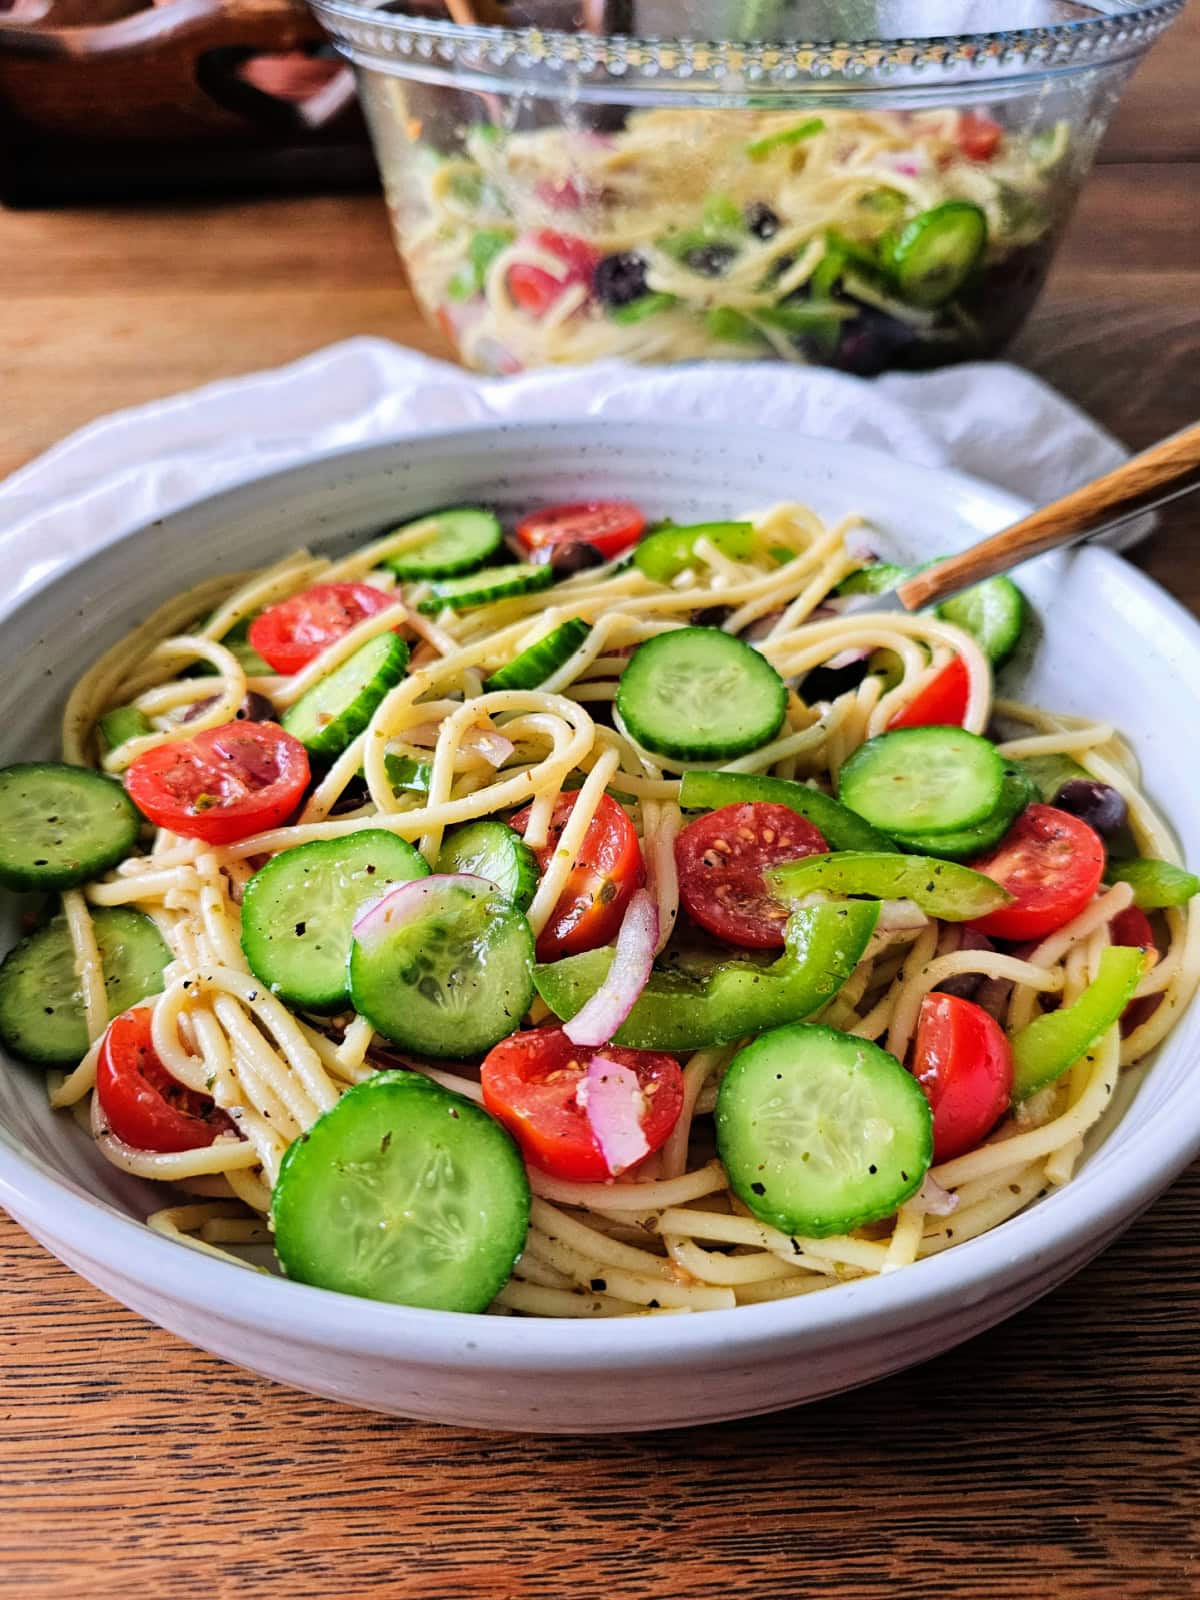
x,y
575,187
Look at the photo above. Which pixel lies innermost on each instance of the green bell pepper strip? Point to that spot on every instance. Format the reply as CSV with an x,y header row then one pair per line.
x,y
664,553
941,888
841,828
677,1011
758,148
1156,884
646,305
1050,772
1052,1043
123,723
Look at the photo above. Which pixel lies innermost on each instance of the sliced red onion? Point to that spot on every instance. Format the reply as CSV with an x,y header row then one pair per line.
x,y
845,658
615,1105
408,902
932,1199
612,1002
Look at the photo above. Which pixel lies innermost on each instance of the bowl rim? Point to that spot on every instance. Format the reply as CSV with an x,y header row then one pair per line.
x,y
1070,1222
849,65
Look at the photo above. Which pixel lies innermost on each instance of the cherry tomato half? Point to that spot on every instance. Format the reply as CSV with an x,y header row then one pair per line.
x,y
142,1103
534,288
1052,862
963,1061
978,137
941,703
609,526
223,784
530,1084
608,869
721,859
291,634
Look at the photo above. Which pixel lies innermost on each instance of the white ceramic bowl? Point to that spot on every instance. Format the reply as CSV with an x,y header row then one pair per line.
x,y
1111,644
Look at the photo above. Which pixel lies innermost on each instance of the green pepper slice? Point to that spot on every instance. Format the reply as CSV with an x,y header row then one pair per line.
x,y
678,1011
664,553
841,828
758,149
1156,884
941,888
1052,1043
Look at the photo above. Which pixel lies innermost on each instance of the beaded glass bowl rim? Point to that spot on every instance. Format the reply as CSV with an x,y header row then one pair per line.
x,y
426,47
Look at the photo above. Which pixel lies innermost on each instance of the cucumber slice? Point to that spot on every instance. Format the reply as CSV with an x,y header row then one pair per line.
x,y
405,1192
933,255
841,828
1016,792
665,553
335,711
460,540
237,641
482,588
61,825
123,723
923,780
41,999
821,1132
494,851
877,578
993,613
452,980
701,695
542,658
298,912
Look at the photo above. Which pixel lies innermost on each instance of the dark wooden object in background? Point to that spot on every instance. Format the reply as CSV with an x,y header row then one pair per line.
x,y
1054,1458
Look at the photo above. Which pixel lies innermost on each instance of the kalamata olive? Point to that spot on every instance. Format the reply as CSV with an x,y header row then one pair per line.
x,y
870,341
620,279
1098,804
574,556
712,617
711,260
827,683
762,222
254,708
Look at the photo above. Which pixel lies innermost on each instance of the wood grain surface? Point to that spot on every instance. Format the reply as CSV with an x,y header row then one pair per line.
x,y
1054,1458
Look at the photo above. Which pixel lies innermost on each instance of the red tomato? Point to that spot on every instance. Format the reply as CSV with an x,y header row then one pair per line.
x,y
963,1062
721,859
610,526
978,137
608,870
941,703
221,785
1052,862
291,634
531,1082
534,289
142,1103
1132,927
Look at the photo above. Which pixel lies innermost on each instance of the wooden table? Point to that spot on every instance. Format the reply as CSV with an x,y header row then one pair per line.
x,y
1055,1457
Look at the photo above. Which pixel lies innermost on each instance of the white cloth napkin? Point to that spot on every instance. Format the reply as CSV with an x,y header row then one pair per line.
x,y
990,419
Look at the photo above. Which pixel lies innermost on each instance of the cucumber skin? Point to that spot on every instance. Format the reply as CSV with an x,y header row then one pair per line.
x,y
346,725
409,569
258,929
293,1228
851,775
997,643
456,856
126,825
729,1118
137,986
506,583
1017,791
525,671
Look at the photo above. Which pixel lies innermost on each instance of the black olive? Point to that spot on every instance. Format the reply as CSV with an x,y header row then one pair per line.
x,y
827,683
620,279
254,708
574,556
712,617
1098,804
762,222
711,260
870,341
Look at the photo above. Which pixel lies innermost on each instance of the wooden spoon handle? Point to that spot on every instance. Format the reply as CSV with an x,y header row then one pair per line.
x,y
477,14
1083,511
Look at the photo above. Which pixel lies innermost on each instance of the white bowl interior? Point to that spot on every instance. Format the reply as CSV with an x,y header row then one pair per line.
x,y
1109,644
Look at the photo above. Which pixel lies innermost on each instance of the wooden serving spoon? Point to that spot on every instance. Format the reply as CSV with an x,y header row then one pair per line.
x,y
1164,472
476,13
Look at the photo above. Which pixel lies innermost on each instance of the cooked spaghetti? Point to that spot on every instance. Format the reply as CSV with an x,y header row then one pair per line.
x,y
669,1229
861,239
